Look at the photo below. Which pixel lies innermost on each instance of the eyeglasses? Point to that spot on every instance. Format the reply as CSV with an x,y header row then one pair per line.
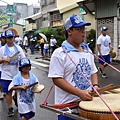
x,y
81,29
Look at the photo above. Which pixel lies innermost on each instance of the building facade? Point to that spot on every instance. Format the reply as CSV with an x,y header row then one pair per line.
x,y
107,13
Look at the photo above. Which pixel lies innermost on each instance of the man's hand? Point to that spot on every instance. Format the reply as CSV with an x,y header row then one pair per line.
x,y
97,88
6,59
85,95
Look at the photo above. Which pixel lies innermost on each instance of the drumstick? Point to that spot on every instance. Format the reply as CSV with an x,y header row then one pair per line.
x,y
14,55
114,87
33,84
103,89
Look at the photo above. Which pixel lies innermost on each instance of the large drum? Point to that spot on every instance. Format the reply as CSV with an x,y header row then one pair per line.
x,y
97,110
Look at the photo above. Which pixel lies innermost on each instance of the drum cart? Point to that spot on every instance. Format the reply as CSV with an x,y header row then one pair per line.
x,y
66,111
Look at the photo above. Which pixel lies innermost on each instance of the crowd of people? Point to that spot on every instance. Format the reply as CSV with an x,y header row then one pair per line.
x,y
72,67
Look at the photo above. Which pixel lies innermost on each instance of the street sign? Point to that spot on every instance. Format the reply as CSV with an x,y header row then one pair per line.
x,y
10,10
11,21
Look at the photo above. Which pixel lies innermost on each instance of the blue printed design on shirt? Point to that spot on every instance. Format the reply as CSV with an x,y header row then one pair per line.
x,y
78,78
25,96
106,43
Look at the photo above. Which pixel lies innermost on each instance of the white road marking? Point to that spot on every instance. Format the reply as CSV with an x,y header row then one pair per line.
x,y
41,64
32,67
40,60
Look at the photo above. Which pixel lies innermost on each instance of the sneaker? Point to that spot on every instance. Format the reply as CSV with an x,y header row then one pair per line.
x,y
104,75
10,112
1,95
15,101
100,70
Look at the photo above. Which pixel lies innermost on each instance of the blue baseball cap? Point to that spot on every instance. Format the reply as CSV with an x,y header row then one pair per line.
x,y
104,28
9,33
24,62
75,21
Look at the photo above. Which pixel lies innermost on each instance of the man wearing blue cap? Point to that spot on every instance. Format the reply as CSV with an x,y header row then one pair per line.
x,y
71,66
9,66
104,46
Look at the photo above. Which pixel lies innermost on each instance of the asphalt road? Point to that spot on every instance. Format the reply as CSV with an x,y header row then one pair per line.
x,y
40,69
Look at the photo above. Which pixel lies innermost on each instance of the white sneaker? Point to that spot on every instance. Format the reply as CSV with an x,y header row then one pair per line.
x,y
1,95
104,75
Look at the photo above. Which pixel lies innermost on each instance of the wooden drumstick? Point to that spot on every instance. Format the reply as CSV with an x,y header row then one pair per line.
x,y
32,85
110,86
14,55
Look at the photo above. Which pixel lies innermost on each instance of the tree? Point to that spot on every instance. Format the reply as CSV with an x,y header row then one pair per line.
x,y
58,32
91,39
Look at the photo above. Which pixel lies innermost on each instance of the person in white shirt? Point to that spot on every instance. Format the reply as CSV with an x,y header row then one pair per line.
x,y
25,96
25,44
9,66
104,46
52,43
46,46
71,64
18,40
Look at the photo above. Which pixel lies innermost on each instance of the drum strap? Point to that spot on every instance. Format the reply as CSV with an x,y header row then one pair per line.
x,y
104,61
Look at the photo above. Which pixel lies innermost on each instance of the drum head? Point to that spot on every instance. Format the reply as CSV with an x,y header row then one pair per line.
x,y
97,104
38,88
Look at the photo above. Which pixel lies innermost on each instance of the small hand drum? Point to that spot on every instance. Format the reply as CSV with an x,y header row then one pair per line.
x,y
38,88
112,54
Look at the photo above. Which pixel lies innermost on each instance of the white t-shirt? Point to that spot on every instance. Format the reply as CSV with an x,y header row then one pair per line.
x,y
26,101
8,69
18,40
104,41
46,46
25,41
25,98
53,42
62,66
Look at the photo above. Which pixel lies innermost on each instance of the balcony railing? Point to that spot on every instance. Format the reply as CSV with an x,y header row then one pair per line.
x,y
55,17
30,27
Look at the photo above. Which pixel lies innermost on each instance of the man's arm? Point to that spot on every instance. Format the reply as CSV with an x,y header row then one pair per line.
x,y
111,47
98,47
5,60
94,79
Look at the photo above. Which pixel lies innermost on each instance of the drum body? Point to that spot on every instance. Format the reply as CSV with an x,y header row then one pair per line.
x,y
112,54
97,110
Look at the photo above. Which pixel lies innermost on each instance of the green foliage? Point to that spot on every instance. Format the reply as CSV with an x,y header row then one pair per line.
x,y
91,39
91,36
3,19
57,32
